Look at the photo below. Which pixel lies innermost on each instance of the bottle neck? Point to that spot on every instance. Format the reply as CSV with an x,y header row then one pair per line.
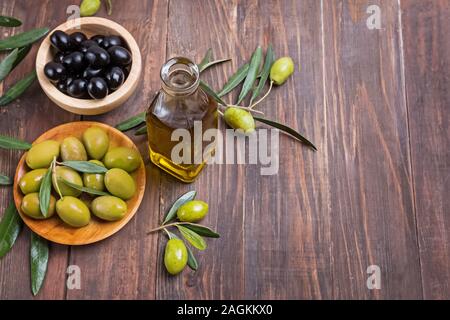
x,y
180,77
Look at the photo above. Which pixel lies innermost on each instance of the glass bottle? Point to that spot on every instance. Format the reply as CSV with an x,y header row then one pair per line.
x,y
180,104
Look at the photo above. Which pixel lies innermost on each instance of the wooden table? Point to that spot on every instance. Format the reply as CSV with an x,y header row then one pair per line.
x,y
375,102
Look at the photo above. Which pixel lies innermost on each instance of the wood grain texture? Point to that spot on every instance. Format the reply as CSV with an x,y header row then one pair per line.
x,y
427,68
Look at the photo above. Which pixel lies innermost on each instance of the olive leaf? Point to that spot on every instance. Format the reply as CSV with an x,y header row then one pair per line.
x,y
188,196
235,80
21,55
131,122
206,59
38,261
84,166
288,130
84,189
202,230
251,75
5,180
17,89
23,39
13,144
10,227
7,64
142,130
193,238
109,7
9,22
212,93
212,63
270,58
45,190
192,261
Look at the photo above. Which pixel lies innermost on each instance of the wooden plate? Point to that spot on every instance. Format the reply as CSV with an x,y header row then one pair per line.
x,y
54,229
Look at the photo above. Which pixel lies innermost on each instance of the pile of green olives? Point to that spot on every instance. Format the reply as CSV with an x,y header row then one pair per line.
x,y
88,68
75,206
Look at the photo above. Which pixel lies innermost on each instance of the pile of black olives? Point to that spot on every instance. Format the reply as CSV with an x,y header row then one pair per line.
x,y
88,68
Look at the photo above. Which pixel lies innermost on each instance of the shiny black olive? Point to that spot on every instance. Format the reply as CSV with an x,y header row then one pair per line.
x,y
59,56
99,39
120,55
114,78
111,41
61,86
77,39
77,88
68,81
86,44
90,72
54,71
74,61
97,57
61,41
97,88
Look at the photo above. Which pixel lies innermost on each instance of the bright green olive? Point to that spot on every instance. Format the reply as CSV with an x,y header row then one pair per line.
x,y
239,119
281,70
124,158
70,175
120,184
30,206
89,7
73,149
109,208
94,180
41,155
192,211
175,256
96,142
73,211
31,181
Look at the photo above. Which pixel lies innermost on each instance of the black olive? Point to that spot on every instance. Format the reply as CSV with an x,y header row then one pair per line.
x,y
111,41
90,72
54,71
68,81
77,88
77,39
61,85
97,57
86,44
61,41
74,61
99,39
114,78
59,56
97,88
120,55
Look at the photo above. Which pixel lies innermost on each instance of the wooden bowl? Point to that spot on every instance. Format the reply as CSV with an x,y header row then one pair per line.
x,y
90,26
54,229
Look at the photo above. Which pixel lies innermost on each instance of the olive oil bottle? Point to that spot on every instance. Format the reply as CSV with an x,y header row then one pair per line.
x,y
180,104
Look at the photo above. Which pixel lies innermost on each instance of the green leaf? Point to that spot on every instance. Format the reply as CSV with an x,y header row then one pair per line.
x,y
13,144
188,196
288,130
16,90
21,55
10,227
142,130
206,59
84,189
270,58
211,92
131,122
192,262
109,7
9,22
84,166
39,261
7,64
235,80
202,230
251,75
45,191
5,181
212,63
23,39
193,238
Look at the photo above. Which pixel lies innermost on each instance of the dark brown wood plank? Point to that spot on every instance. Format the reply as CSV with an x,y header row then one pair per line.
x,y
369,185
427,67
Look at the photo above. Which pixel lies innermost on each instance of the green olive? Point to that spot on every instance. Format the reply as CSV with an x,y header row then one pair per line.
x,y
94,180
239,119
31,181
109,208
89,7
73,149
120,184
175,256
30,206
41,155
192,211
124,158
96,142
281,70
73,211
69,175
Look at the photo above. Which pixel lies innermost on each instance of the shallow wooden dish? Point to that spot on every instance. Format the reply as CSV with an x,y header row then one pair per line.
x,y
54,229
90,26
